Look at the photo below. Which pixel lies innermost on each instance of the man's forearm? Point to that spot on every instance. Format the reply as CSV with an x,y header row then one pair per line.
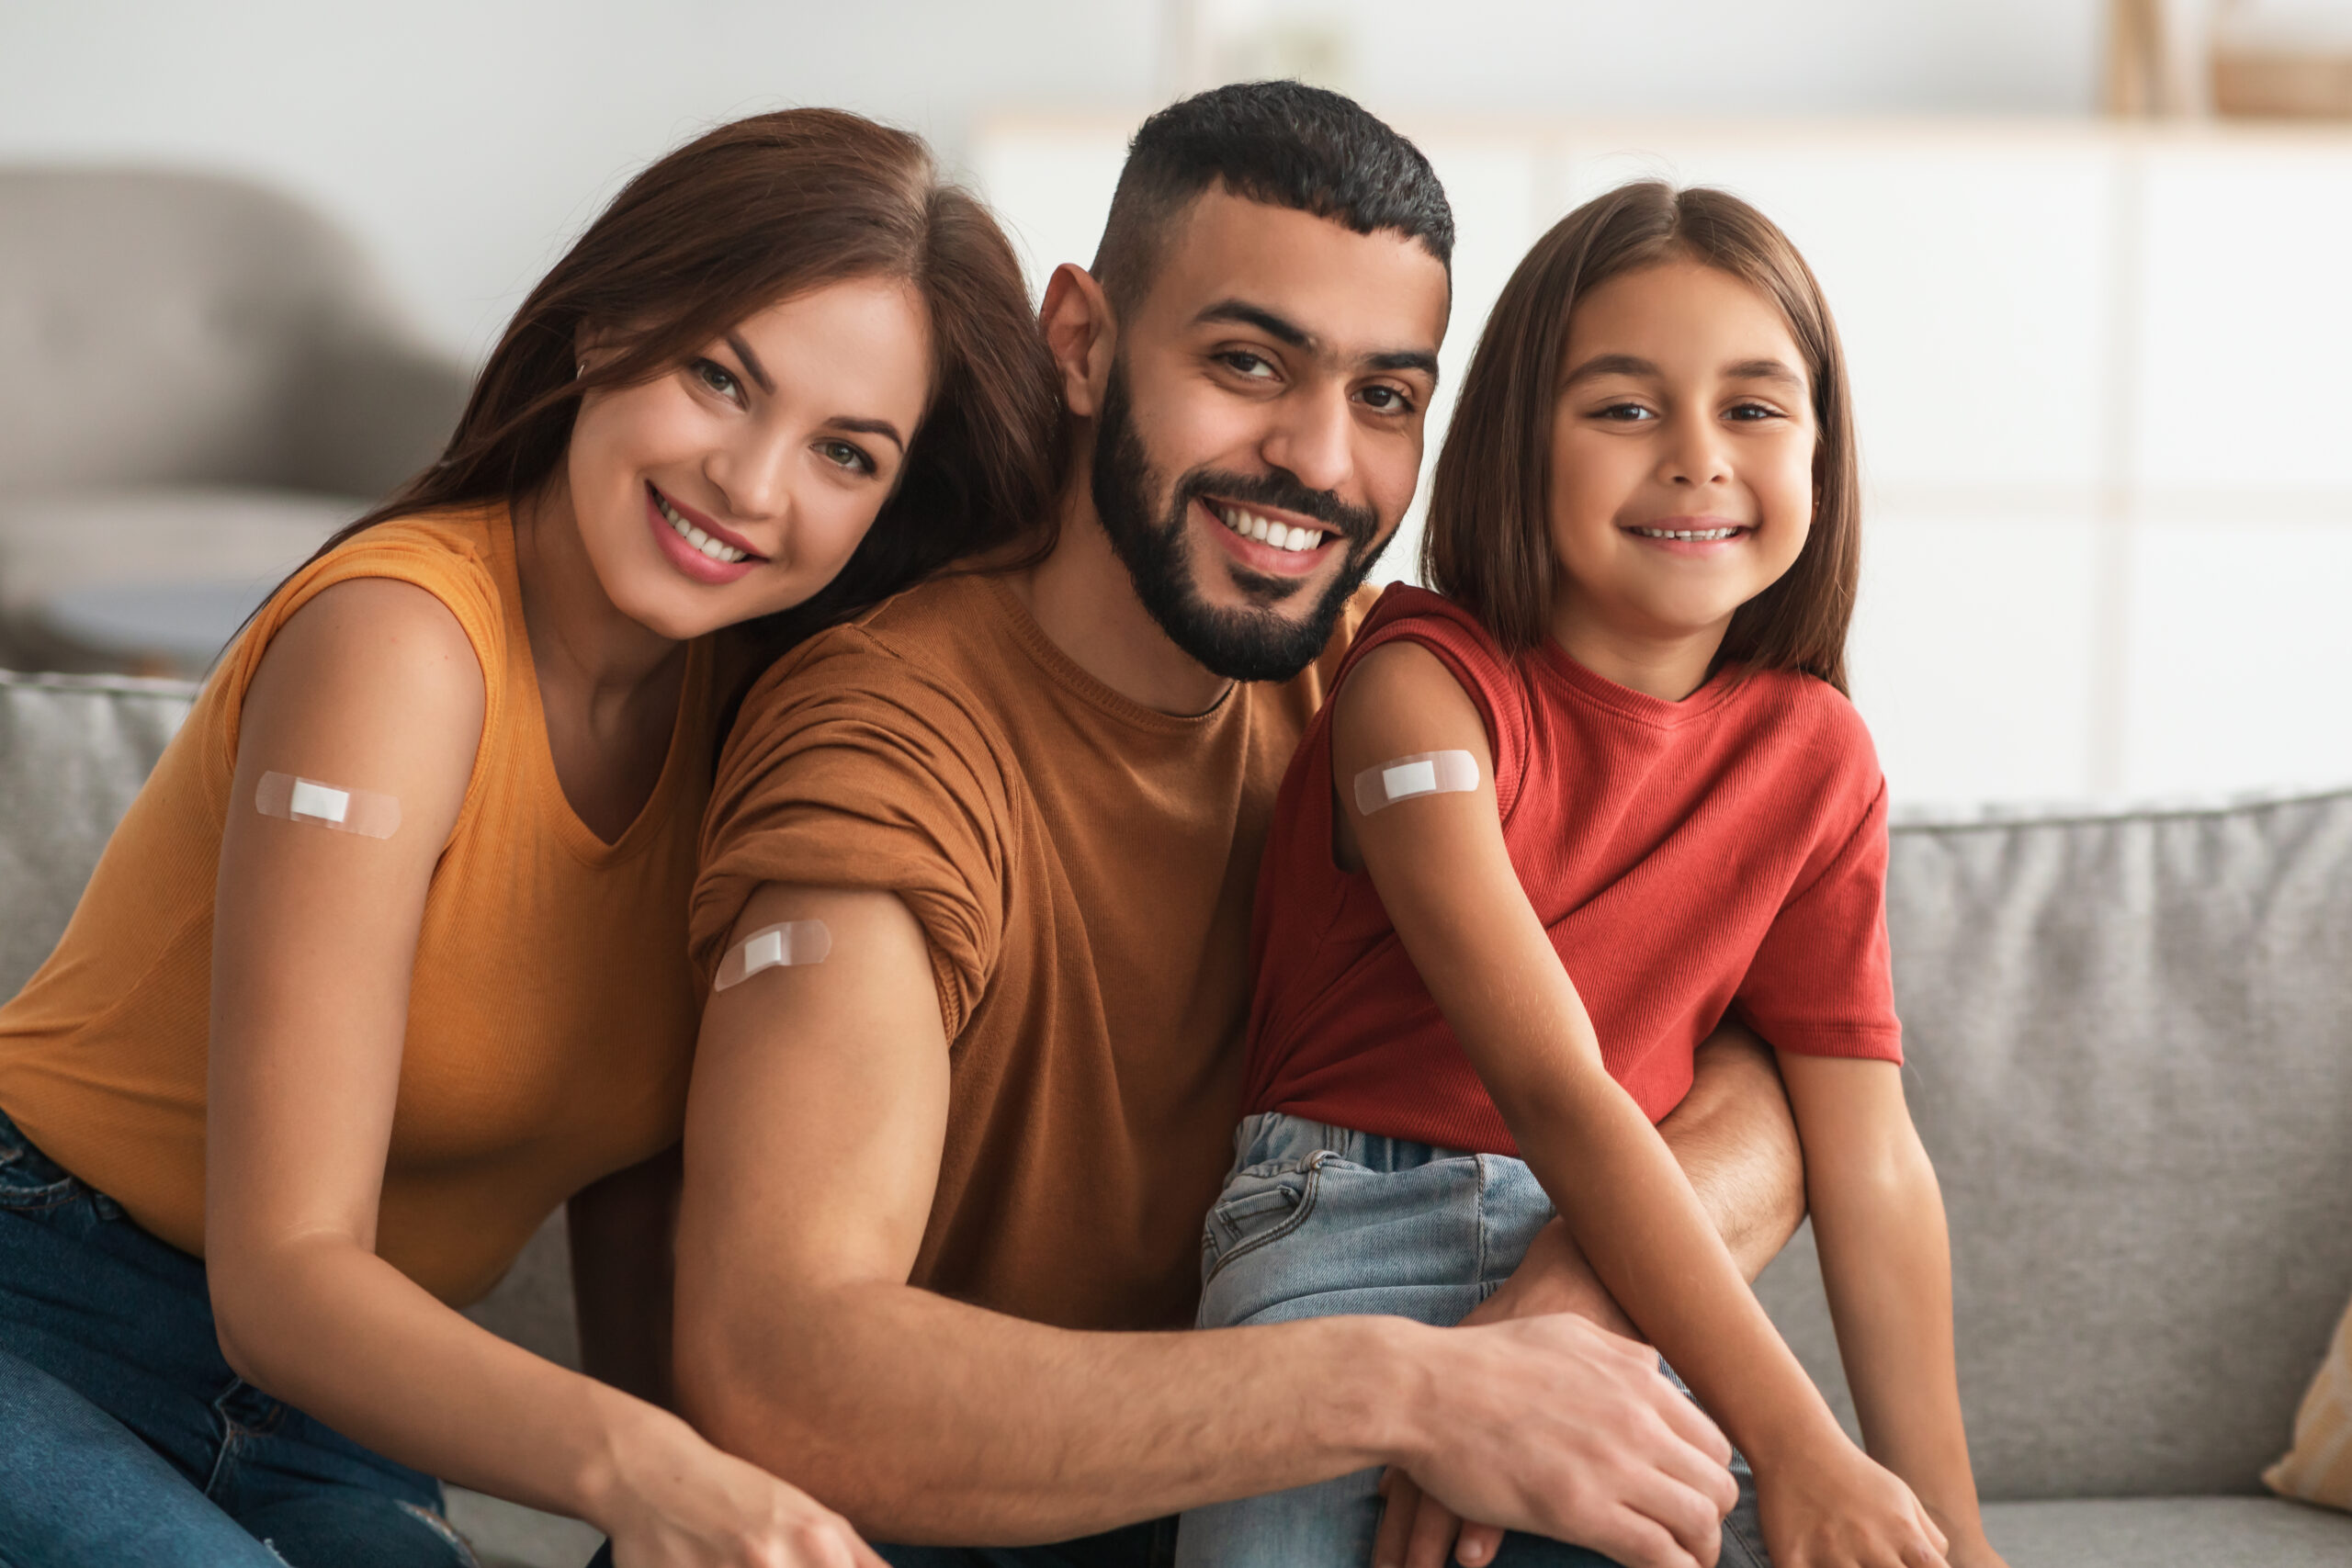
x,y
1737,1144
925,1420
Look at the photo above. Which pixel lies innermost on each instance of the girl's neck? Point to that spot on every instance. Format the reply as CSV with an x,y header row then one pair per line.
x,y
1663,662
580,642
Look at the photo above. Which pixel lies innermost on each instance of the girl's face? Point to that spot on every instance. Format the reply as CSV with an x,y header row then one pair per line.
x,y
739,483
1682,447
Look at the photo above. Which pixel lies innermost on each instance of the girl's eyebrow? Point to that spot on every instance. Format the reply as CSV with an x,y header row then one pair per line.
x,y
1763,370
1609,364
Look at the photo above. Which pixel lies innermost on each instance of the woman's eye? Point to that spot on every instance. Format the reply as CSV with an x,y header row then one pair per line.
x,y
718,377
846,455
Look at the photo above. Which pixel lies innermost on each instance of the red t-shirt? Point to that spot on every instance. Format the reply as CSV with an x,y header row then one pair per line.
x,y
1727,851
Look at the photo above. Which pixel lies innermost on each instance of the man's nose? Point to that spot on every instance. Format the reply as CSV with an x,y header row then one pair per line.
x,y
1313,439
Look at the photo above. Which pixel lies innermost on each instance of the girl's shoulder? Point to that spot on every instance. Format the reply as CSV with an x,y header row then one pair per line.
x,y
1407,614
1813,721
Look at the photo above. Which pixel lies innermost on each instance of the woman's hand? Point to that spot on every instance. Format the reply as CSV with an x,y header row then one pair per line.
x,y
1830,1505
681,1503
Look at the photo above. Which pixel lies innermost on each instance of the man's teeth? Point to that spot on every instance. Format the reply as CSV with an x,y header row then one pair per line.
x,y
1250,525
1699,534
696,537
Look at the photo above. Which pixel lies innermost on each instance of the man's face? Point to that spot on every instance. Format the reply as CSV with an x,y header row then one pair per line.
x,y
1261,434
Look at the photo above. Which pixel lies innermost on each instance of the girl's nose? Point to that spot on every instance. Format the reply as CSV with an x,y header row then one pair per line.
x,y
1695,455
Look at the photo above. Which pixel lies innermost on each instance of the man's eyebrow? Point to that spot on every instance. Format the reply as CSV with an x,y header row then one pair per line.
x,y
870,427
751,361
1763,370
1609,364
1243,313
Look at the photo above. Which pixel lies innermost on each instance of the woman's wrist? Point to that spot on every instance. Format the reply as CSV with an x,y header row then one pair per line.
x,y
632,1442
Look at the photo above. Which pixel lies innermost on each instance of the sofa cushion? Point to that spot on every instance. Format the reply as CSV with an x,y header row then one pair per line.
x,y
2130,1054
2169,1532
74,750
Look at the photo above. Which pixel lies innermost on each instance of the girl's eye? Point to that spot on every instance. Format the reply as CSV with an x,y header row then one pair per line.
x,y
1749,413
718,377
1388,399
1624,413
846,455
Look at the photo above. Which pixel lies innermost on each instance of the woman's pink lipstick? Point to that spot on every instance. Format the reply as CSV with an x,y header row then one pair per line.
x,y
683,556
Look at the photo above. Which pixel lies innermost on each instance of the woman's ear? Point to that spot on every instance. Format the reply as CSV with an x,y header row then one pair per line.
x,y
1081,335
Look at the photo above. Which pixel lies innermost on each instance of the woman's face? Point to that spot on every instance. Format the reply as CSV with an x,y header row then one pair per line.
x,y
739,483
1682,449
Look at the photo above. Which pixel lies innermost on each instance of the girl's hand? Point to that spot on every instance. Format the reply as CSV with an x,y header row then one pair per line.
x,y
1968,1548
1832,1507
683,1504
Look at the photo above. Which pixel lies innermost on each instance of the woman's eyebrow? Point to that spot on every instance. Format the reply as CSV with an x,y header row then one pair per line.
x,y
881,427
751,361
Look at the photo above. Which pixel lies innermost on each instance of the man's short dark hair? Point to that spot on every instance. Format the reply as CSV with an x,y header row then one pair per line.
x,y
1283,144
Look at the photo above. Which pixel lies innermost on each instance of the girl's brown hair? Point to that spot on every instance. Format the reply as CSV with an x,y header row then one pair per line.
x,y
1488,544
752,213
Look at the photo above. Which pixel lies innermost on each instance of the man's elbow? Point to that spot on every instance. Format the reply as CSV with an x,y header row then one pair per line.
x,y
777,1408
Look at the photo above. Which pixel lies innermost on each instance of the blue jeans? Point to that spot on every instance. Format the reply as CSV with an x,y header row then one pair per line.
x,y
1320,1222
130,1443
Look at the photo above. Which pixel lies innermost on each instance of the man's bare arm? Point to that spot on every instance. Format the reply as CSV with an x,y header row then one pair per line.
x,y
813,1140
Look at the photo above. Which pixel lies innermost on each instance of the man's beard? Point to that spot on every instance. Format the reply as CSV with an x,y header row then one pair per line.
x,y
1248,644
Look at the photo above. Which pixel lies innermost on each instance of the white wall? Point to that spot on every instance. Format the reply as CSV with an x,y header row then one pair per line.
x,y
465,140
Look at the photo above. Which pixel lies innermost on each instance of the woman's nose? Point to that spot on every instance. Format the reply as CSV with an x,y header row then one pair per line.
x,y
754,475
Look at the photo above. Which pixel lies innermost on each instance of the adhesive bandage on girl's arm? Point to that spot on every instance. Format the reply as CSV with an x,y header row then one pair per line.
x,y
1406,778
771,947
357,811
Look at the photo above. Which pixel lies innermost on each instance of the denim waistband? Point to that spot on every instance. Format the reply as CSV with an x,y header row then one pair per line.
x,y
1276,1137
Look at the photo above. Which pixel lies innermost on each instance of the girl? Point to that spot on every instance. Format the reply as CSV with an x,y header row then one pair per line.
x,y
1553,825
389,958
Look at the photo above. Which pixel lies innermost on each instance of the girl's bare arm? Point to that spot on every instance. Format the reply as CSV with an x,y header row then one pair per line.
x,y
1447,882
1878,1217
373,686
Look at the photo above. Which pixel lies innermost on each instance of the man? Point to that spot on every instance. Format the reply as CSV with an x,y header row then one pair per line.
x,y
939,1184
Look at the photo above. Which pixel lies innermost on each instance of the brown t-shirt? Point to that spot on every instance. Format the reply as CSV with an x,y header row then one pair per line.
x,y
1083,868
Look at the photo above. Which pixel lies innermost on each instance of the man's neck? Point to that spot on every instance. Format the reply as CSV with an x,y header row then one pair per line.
x,y
1082,598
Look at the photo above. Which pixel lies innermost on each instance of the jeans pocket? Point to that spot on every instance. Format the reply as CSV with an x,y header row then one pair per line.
x,y
29,1179
1259,1205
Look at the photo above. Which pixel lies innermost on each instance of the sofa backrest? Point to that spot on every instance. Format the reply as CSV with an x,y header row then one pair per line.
x,y
2130,1054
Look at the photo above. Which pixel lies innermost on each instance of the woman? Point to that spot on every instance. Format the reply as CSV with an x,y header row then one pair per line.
x,y
389,958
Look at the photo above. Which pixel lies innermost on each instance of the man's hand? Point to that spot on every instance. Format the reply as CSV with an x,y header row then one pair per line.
x,y
1594,1445
1416,1529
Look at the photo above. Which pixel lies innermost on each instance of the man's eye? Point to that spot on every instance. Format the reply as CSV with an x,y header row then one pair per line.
x,y
718,377
846,455
1250,365
1388,399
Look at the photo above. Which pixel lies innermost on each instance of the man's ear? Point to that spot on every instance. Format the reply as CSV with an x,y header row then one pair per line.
x,y
1081,335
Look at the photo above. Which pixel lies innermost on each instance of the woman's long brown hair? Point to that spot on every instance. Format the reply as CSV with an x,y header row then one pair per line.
x,y
752,213
1488,541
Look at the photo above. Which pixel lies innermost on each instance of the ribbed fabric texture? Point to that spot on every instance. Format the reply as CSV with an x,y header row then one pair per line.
x,y
552,1016
1727,851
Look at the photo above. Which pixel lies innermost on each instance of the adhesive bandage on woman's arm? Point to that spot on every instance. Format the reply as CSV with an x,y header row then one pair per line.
x,y
771,947
1406,778
357,811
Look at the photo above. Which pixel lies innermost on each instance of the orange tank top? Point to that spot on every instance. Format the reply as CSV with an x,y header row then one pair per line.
x,y
552,1015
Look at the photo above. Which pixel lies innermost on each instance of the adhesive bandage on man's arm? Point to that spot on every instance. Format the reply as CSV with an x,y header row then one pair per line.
x,y
771,947
1409,777
357,811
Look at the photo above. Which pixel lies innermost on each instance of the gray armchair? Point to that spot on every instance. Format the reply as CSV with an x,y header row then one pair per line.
x,y
207,379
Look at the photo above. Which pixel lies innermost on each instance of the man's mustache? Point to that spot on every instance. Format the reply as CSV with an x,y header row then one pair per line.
x,y
1279,488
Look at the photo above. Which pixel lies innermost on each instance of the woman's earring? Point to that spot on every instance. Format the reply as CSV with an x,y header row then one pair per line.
x,y
579,368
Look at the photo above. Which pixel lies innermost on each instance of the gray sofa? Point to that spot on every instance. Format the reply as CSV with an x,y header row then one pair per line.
x,y
2130,1055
